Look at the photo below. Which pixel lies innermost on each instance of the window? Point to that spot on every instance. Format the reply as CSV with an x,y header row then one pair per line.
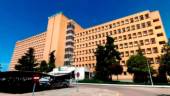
x,y
146,16
133,27
143,25
123,63
149,51
125,45
136,19
107,33
120,38
89,37
95,36
129,36
146,41
132,52
126,21
141,17
130,44
122,22
127,53
157,60
158,27
111,33
122,54
100,42
148,23
152,40
128,28
114,25
116,46
141,42
115,39
151,61
159,34
156,20
124,37
115,32
99,36
121,46
131,20
110,26
118,23
123,30
136,43
103,34
161,42
143,51
145,33
134,35
138,26
150,32
139,34
103,41
119,30
155,50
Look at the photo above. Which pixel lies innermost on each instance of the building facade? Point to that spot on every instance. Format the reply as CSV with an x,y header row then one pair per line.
x,y
75,45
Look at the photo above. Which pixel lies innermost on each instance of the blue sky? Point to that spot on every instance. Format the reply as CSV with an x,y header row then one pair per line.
x,y
23,18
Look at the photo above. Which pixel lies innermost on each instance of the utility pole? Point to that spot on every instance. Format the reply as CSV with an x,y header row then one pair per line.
x,y
149,71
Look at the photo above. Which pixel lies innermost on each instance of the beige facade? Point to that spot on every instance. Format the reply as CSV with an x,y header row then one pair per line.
x,y
37,42
75,45
144,29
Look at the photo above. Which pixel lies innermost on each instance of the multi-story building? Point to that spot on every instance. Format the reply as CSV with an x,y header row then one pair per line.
x,y
76,46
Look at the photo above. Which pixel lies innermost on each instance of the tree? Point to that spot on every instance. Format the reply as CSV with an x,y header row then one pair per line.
x,y
164,68
106,56
43,66
137,65
51,63
27,62
116,69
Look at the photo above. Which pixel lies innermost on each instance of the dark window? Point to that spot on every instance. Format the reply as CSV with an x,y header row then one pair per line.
x,y
152,40
138,26
158,27
131,20
162,42
159,34
148,23
156,20
146,16
155,50
141,17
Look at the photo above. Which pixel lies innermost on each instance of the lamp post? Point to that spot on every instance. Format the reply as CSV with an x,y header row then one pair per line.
x,y
149,71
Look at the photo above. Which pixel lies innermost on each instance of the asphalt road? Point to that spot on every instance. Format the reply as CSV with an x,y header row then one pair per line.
x,y
132,91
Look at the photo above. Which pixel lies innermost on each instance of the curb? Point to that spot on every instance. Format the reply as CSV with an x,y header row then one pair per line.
x,y
123,85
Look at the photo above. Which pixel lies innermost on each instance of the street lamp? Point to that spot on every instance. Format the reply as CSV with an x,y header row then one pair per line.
x,y
149,73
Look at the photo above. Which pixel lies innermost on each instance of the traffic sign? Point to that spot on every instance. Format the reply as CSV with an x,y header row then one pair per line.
x,y
36,78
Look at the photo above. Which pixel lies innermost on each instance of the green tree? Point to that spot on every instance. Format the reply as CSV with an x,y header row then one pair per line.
x,y
137,65
43,66
27,62
106,56
51,63
116,69
164,68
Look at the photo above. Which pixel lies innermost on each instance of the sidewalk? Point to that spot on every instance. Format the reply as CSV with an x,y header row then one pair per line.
x,y
128,85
